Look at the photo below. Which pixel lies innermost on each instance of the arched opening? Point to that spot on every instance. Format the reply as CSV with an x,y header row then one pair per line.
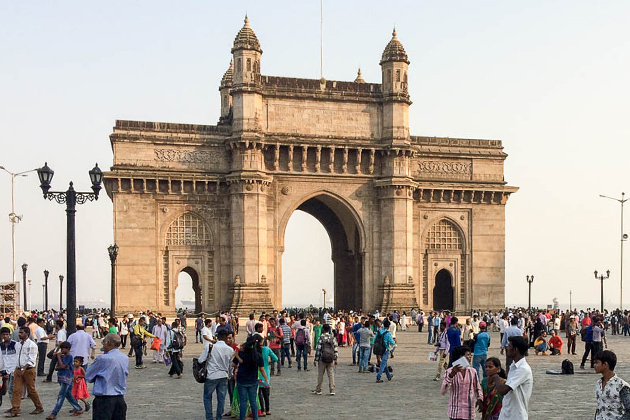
x,y
343,232
307,264
443,291
188,292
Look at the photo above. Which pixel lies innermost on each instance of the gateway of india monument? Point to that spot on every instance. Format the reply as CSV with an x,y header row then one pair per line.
x,y
413,221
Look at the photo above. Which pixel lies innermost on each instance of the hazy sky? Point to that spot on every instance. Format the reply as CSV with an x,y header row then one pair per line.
x,y
549,78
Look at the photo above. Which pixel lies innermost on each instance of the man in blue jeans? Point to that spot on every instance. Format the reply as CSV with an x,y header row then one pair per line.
x,y
285,351
389,346
356,326
218,366
482,342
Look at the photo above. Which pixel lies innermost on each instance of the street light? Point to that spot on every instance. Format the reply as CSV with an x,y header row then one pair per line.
x,y
43,294
71,198
601,279
324,290
623,238
530,280
24,268
113,253
61,294
14,218
46,289
29,294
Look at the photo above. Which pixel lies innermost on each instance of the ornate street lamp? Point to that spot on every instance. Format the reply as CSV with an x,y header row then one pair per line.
x,y
530,280
60,293
601,279
44,293
71,198
24,268
324,290
623,237
46,289
113,253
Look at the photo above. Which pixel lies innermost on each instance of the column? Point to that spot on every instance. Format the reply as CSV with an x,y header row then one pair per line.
x,y
290,157
344,164
318,158
304,156
276,157
331,165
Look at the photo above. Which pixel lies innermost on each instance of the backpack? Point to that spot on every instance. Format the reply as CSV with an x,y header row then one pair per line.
x,y
567,367
179,341
583,334
199,370
328,351
379,344
300,337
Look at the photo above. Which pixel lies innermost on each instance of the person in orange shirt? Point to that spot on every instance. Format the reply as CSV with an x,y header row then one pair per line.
x,y
555,343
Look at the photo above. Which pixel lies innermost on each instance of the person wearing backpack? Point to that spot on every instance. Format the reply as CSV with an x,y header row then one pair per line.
x,y
174,349
302,342
587,337
384,344
326,354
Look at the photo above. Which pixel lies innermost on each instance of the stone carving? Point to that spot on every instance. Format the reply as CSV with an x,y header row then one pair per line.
x,y
187,156
442,169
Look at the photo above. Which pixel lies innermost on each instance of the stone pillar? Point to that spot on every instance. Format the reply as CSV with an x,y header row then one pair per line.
x,y
318,158
396,205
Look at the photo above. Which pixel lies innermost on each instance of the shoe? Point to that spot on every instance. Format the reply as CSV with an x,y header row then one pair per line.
x,y
278,374
139,366
76,413
299,369
581,366
290,366
379,381
306,370
316,392
436,379
87,407
47,380
332,393
391,377
39,411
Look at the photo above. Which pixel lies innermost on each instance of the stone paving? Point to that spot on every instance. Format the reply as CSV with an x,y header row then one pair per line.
x,y
412,394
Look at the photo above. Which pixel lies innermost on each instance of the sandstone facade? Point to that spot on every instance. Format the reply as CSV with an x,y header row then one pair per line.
x,y
413,221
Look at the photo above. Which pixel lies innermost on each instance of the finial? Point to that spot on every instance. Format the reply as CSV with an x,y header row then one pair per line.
x,y
359,72
246,20
394,32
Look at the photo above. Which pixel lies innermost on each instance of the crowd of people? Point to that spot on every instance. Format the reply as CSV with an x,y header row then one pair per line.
x,y
242,373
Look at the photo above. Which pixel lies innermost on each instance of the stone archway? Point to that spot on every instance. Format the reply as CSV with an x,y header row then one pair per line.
x,y
443,291
344,233
196,286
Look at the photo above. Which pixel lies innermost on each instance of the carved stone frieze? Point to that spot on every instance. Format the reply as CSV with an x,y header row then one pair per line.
x,y
187,156
443,169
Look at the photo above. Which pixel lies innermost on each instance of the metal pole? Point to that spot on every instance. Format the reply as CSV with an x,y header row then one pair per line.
x,y
24,268
570,300
621,263
602,294
46,289
13,221
44,292
71,269
60,294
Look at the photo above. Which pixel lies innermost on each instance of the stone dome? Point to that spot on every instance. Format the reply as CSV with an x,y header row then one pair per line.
x,y
226,80
359,78
246,39
394,51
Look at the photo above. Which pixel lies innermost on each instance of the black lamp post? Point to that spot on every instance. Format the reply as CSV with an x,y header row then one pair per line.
x,y
70,198
530,280
24,268
113,253
60,293
46,273
43,293
601,278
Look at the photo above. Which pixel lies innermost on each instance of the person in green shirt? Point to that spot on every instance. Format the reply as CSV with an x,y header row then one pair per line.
x,y
317,331
113,329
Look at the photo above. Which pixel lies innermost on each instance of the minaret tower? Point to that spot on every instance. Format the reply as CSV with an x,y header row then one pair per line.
x,y
394,65
246,83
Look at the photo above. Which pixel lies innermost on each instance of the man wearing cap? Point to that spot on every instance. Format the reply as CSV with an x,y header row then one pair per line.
x,y
572,330
482,342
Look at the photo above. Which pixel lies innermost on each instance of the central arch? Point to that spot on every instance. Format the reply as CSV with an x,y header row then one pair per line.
x,y
345,232
196,286
443,291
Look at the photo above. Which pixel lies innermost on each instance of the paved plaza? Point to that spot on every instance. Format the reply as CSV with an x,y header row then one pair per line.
x,y
412,394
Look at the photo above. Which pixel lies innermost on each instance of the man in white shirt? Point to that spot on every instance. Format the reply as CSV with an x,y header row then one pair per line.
x,y
250,325
42,345
61,336
206,334
518,388
218,366
24,374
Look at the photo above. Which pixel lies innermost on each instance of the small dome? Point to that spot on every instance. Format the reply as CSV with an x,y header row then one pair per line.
x,y
226,80
246,39
394,51
359,78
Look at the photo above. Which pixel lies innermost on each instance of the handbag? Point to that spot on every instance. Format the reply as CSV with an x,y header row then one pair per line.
x,y
51,354
167,360
199,370
155,344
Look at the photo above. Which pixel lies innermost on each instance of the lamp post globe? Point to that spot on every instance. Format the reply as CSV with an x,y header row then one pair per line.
x,y
530,280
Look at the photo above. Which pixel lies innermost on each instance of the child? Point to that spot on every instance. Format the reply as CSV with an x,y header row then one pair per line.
x,y
64,376
463,384
79,388
492,400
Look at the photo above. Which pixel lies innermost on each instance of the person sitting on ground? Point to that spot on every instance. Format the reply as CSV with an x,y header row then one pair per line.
x,y
555,343
541,345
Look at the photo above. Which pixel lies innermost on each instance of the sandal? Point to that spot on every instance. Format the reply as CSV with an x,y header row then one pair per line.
x,y
51,417
77,413
13,414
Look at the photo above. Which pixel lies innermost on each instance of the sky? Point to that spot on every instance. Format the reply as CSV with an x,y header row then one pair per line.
x,y
548,78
